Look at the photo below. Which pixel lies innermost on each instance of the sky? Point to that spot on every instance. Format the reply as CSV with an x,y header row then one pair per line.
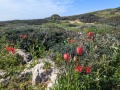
x,y
38,9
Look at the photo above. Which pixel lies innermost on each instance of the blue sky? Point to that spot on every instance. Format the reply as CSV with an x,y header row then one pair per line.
x,y
36,9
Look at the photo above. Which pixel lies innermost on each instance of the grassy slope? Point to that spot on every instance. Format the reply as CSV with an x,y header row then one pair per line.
x,y
108,13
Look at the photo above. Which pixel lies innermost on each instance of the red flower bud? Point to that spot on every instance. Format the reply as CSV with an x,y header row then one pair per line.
x,y
87,70
66,56
90,34
79,50
78,68
71,40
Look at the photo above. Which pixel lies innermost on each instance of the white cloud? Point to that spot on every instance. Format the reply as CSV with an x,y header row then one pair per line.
x,y
32,9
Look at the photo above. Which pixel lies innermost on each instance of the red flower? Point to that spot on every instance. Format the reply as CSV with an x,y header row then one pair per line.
x,y
25,36
10,49
13,51
90,34
66,56
7,48
78,68
87,70
71,40
79,50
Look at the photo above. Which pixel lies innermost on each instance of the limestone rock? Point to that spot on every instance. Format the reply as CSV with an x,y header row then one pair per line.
x,y
41,76
23,56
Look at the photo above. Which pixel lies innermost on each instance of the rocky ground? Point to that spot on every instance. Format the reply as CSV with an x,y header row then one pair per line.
x,y
40,74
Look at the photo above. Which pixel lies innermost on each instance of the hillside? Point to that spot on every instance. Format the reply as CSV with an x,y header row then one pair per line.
x,y
108,13
108,16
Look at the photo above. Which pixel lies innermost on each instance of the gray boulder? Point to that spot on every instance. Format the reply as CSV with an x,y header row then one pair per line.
x,y
23,56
